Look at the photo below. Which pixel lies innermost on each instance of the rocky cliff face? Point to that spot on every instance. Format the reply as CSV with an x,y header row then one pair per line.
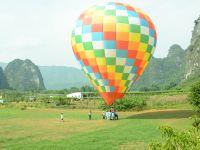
x,y
164,73
24,75
3,80
193,53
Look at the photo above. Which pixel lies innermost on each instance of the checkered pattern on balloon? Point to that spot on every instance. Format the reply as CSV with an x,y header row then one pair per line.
x,y
114,43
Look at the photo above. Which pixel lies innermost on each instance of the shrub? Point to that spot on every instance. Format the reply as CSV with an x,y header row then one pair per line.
x,y
194,97
61,101
128,103
179,140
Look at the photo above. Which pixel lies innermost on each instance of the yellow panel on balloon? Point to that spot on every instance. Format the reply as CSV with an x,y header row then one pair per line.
x,y
79,47
73,40
99,89
124,89
97,20
110,68
109,27
101,61
89,54
134,37
121,27
109,19
98,13
146,57
118,76
143,47
122,83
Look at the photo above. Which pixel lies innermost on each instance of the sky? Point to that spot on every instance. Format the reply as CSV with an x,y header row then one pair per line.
x,y
40,30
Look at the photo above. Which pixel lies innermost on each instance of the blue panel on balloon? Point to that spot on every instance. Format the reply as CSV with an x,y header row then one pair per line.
x,y
97,36
109,44
105,82
89,69
121,53
151,32
132,14
86,29
112,89
98,76
130,61
143,22
134,69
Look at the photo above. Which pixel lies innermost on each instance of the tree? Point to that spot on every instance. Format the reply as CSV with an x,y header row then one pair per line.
x,y
86,88
194,97
179,140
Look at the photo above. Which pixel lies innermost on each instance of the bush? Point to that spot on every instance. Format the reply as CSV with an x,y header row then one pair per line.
x,y
194,97
179,140
23,107
61,101
128,103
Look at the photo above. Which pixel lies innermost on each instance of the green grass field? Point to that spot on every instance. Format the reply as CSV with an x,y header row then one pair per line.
x,y
41,129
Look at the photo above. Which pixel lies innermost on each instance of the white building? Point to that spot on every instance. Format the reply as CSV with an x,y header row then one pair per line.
x,y
1,101
77,95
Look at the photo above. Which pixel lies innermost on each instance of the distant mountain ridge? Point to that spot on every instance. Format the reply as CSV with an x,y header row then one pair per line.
x,y
162,73
61,77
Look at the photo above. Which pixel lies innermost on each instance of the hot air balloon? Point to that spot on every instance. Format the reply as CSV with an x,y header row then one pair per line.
x,y
114,43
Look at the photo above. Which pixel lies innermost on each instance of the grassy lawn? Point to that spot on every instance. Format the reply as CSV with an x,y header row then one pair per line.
x,y
41,129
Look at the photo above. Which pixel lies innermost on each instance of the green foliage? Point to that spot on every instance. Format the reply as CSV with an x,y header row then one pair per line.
x,y
87,88
15,96
196,123
61,101
194,97
179,140
128,103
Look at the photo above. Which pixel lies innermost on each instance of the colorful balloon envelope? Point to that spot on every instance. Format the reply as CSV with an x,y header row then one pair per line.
x,y
114,43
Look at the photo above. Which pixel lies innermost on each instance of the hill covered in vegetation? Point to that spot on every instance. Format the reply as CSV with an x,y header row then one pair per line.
x,y
163,73
3,80
24,75
60,77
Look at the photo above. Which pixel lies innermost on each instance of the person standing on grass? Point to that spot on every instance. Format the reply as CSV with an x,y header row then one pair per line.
x,y
61,117
116,115
108,115
103,115
90,115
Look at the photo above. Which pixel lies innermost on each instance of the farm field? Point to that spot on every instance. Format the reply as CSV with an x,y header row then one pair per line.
x,y
42,129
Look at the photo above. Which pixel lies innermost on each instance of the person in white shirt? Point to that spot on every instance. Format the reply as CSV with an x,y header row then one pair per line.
x,y
61,117
108,114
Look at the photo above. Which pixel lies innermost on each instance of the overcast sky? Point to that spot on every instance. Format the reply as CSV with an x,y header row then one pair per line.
x,y
40,29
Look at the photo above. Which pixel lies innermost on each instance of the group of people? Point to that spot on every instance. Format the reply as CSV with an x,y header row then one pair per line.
x,y
110,114
107,115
